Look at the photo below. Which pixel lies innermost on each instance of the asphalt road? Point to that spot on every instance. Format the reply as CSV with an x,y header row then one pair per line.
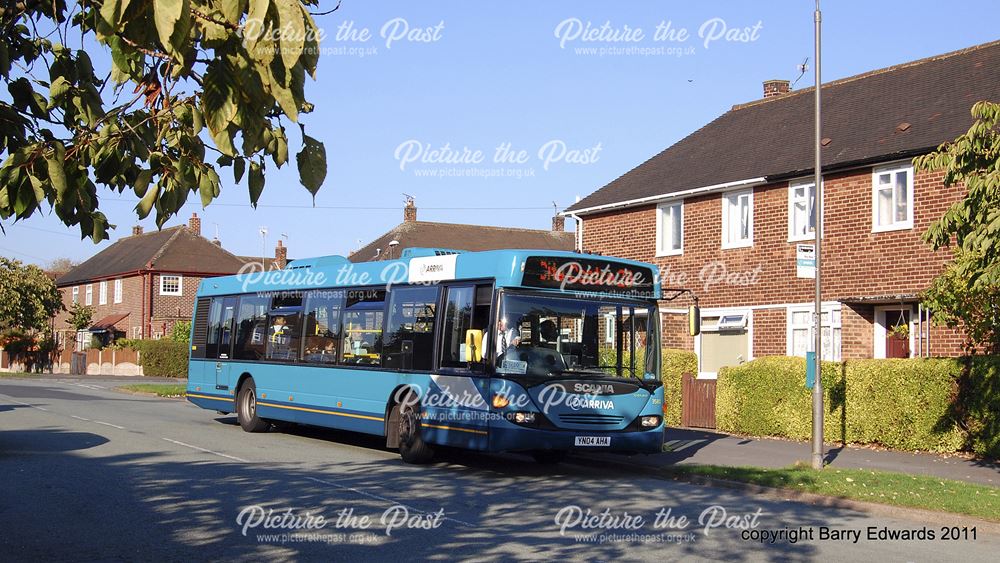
x,y
88,473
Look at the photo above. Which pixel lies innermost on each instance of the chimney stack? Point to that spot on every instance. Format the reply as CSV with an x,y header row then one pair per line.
x,y
194,223
558,223
137,230
774,88
280,256
410,211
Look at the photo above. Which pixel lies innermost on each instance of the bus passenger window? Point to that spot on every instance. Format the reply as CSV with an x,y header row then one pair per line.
x,y
283,335
362,327
409,338
251,327
322,330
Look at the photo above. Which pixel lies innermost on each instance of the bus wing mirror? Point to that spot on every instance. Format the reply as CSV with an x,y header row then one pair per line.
x,y
473,345
694,320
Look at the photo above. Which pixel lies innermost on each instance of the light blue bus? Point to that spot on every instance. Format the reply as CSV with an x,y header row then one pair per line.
x,y
541,352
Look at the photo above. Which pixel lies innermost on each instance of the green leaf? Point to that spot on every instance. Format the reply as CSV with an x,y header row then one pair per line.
x,y
256,182
57,174
145,204
280,155
292,31
312,164
239,167
142,183
206,189
166,13
58,87
223,141
218,104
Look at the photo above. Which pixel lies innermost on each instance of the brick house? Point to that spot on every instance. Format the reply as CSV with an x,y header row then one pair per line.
x,y
724,210
456,236
144,283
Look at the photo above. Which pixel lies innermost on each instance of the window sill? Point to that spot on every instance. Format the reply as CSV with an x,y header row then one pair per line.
x,y
178,294
661,254
743,244
908,225
802,238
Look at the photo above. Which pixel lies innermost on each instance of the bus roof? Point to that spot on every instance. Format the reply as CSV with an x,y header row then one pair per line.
x,y
542,269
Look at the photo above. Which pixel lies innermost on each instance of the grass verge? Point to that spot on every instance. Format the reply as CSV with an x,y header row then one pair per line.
x,y
884,487
158,389
17,374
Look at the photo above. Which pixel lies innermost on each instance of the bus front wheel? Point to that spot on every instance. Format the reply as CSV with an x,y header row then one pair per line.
x,y
412,447
246,409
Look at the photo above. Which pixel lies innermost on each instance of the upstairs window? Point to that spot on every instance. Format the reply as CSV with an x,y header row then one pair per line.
x,y
892,198
102,293
76,295
170,285
801,211
737,219
670,229
118,290
89,300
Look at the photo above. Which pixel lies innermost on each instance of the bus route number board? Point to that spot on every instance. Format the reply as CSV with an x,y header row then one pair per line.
x,y
593,441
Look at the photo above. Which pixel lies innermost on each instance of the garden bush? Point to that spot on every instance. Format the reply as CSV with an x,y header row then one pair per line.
x,y
918,404
163,358
674,364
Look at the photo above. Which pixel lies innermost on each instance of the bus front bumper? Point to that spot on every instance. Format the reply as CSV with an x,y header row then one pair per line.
x,y
515,438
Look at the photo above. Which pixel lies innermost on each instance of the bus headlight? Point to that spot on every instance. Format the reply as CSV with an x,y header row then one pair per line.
x,y
500,401
524,418
649,421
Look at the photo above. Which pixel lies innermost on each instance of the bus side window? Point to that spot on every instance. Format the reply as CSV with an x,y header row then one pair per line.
x,y
362,318
409,336
284,334
220,327
250,327
322,325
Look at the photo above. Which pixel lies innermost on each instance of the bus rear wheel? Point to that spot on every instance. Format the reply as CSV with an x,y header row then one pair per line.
x,y
246,409
412,447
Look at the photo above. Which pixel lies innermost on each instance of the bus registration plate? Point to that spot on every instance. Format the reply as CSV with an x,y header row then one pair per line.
x,y
593,440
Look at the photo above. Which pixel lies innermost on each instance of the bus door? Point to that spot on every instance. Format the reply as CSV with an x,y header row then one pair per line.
x,y
220,339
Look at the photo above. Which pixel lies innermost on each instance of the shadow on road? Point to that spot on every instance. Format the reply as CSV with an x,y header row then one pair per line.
x,y
107,504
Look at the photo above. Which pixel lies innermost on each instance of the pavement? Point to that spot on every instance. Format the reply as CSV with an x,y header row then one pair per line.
x,y
89,473
695,446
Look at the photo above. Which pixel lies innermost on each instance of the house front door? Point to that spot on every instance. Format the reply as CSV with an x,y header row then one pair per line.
x,y
893,327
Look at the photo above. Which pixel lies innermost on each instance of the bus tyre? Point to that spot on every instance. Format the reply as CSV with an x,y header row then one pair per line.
x,y
549,457
412,447
246,409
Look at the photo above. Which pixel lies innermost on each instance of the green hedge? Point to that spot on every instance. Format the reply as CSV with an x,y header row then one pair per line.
x,y
163,358
939,405
674,364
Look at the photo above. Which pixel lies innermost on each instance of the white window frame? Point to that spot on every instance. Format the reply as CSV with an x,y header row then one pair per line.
x,y
893,169
76,294
747,312
180,284
664,241
810,185
89,295
879,329
118,290
726,199
609,329
790,328
102,293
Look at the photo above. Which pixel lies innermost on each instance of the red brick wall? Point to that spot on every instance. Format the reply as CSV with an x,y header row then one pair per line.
x,y
167,309
856,261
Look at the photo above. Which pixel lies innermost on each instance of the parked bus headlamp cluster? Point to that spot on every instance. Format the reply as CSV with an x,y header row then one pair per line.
x,y
486,351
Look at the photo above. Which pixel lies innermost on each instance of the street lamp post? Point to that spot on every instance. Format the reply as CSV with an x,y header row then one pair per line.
x,y
817,390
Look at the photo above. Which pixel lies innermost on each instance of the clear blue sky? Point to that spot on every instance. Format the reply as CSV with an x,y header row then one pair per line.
x,y
495,73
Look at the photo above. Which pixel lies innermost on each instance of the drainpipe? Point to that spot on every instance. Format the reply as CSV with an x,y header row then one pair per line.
x,y
920,329
579,231
142,314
